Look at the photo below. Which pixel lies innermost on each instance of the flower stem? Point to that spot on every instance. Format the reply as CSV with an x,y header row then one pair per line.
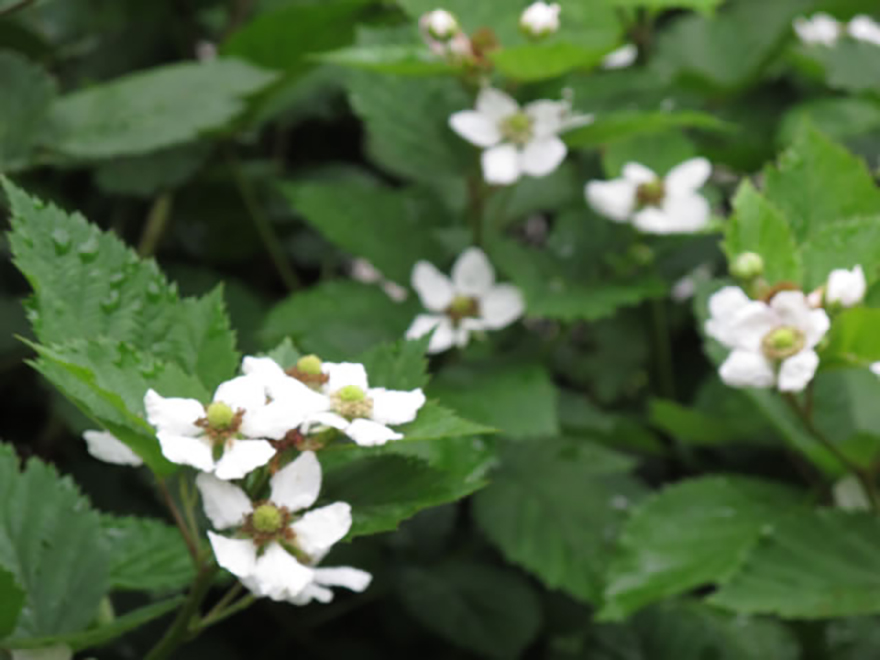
x,y
185,532
216,616
157,221
179,631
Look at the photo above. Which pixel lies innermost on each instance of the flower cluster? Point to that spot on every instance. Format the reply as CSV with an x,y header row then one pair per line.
x,y
825,30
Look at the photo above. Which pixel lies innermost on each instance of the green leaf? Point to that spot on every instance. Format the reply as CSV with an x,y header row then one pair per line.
x,y
148,175
398,366
520,400
12,599
28,92
757,226
491,611
50,540
385,226
625,125
854,339
554,509
534,62
396,59
852,66
155,109
818,183
283,38
838,118
385,490
693,426
435,421
843,244
689,535
705,6
816,564
338,319
147,554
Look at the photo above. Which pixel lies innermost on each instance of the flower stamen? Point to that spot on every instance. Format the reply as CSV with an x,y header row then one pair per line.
x,y
352,402
650,194
783,342
518,128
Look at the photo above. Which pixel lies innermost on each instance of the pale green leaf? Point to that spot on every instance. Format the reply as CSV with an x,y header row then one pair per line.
x,y
435,421
852,66
854,339
147,555
534,62
843,244
12,599
28,92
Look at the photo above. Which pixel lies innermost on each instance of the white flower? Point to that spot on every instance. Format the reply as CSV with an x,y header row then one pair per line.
x,y
516,140
772,343
864,28
820,29
275,557
875,368
229,436
51,653
468,302
439,24
540,19
108,448
654,205
686,287
621,58
846,288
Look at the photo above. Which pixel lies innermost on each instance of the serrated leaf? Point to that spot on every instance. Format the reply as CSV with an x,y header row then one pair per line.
x,y
385,490
50,540
435,421
554,508
812,565
338,319
854,339
519,400
156,109
757,226
147,555
385,226
843,244
689,535
491,611
396,59
402,365
625,125
12,599
28,92
817,183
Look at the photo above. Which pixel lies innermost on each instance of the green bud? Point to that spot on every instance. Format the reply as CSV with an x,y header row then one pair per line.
x,y
351,394
267,519
747,266
310,364
220,416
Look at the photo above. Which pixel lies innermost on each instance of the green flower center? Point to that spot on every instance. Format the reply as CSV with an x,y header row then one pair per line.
x,y
352,402
783,342
351,394
517,128
310,364
267,519
220,416
650,194
462,307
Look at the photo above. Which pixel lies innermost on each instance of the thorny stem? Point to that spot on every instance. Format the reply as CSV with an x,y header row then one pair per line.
x,y
663,349
191,544
157,221
864,476
263,226
179,631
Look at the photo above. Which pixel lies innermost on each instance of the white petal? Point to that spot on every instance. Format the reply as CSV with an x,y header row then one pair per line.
x,y
246,393
443,338
345,374
238,556
476,128
173,415
294,396
724,305
875,368
108,448
394,407
621,58
689,176
495,104
680,214
501,165
225,504
51,653
846,287
272,421
368,433
638,173
796,372
794,310
278,574
548,117
750,325
747,369
186,450
461,335
343,576
317,531
820,29
540,157
434,288
312,592
243,457
298,484
263,367
864,28
614,199
472,274
330,419
422,325
501,306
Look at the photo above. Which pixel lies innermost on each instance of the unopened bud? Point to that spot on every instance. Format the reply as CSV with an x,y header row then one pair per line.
x,y
220,416
310,364
540,19
747,266
440,24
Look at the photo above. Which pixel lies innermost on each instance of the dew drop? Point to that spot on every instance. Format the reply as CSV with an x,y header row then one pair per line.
x,y
62,241
89,250
111,301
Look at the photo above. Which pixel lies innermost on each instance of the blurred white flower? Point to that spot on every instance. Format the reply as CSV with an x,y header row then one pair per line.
x,y
846,288
108,448
540,19
772,343
468,302
206,51
363,271
821,29
621,58
229,436
276,545
875,368
654,205
439,24
685,288
864,28
516,141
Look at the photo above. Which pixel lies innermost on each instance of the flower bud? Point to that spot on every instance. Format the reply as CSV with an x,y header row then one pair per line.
x,y
440,24
310,364
540,19
220,416
747,266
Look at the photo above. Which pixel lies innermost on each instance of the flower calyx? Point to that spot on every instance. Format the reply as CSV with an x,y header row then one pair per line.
x,y
352,402
783,342
309,371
